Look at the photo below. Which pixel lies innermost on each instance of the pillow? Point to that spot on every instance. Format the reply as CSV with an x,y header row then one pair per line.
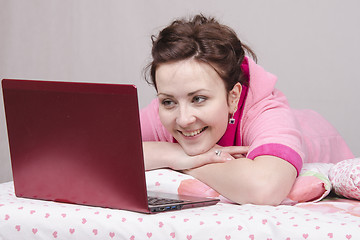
x,y
170,181
311,185
345,178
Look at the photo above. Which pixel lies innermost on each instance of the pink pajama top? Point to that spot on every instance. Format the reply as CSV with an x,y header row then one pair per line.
x,y
266,123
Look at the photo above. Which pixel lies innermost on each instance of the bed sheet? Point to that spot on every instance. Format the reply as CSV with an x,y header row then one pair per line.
x,y
332,218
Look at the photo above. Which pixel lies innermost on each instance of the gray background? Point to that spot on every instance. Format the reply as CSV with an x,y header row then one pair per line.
x,y
312,46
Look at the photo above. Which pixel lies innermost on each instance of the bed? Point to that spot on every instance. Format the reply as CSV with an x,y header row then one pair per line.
x,y
311,211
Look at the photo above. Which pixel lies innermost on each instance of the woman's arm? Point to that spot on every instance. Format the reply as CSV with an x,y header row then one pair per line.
x,y
264,180
171,155
164,155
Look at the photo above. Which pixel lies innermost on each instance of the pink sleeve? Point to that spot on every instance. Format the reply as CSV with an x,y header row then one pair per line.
x,y
151,126
280,151
270,128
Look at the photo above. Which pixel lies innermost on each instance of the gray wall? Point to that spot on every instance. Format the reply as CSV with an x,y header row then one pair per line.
x,y
312,46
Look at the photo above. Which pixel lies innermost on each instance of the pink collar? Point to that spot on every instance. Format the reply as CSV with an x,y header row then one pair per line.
x,y
229,137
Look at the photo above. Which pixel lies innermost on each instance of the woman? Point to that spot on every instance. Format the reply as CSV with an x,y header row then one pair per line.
x,y
219,118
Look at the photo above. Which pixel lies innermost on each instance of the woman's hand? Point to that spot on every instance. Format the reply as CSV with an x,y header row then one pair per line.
x,y
233,151
171,155
217,154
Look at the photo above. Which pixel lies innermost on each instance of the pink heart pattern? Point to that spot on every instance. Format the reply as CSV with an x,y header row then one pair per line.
x,y
345,178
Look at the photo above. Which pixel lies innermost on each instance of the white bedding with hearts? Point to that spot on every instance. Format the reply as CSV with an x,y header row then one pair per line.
x,y
331,218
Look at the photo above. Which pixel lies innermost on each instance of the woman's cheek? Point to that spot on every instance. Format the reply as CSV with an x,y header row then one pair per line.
x,y
166,118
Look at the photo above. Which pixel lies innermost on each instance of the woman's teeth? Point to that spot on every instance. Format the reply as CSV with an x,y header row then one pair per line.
x,y
194,133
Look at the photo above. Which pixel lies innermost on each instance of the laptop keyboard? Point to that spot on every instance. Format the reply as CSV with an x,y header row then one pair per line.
x,y
161,201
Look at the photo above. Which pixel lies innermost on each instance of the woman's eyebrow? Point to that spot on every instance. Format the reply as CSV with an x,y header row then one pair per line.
x,y
189,94
166,95
197,91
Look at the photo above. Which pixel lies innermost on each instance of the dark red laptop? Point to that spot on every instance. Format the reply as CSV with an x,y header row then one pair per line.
x,y
80,143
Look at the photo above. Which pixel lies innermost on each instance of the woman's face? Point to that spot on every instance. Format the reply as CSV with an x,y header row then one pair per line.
x,y
193,104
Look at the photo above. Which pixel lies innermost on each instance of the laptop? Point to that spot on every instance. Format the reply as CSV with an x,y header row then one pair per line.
x,y
81,143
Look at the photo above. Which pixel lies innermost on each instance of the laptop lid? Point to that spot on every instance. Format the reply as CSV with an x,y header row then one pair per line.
x,y
76,143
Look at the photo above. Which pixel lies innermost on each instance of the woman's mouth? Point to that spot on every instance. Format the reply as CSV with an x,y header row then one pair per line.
x,y
193,133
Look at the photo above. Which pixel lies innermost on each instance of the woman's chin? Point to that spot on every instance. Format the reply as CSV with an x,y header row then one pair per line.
x,y
192,151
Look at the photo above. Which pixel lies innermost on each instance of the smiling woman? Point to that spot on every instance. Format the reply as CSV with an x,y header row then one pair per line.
x,y
219,118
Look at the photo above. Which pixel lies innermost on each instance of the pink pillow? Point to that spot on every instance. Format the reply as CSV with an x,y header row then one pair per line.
x,y
345,178
307,188
312,185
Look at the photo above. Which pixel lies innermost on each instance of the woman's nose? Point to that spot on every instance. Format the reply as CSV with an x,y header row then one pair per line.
x,y
185,117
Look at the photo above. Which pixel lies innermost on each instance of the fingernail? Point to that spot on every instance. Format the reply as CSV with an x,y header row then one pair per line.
x,y
229,158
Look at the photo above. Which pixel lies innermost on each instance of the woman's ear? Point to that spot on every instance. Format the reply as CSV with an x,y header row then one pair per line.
x,y
234,97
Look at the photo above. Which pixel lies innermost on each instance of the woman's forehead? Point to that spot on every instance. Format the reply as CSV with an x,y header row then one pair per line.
x,y
185,71
183,79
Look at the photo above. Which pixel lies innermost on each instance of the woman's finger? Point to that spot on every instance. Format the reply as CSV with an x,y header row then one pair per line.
x,y
239,155
236,149
223,156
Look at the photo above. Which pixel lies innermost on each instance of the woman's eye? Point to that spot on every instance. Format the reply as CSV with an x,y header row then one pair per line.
x,y
199,99
167,103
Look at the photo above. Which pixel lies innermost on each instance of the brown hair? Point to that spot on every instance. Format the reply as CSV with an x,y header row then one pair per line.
x,y
203,39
